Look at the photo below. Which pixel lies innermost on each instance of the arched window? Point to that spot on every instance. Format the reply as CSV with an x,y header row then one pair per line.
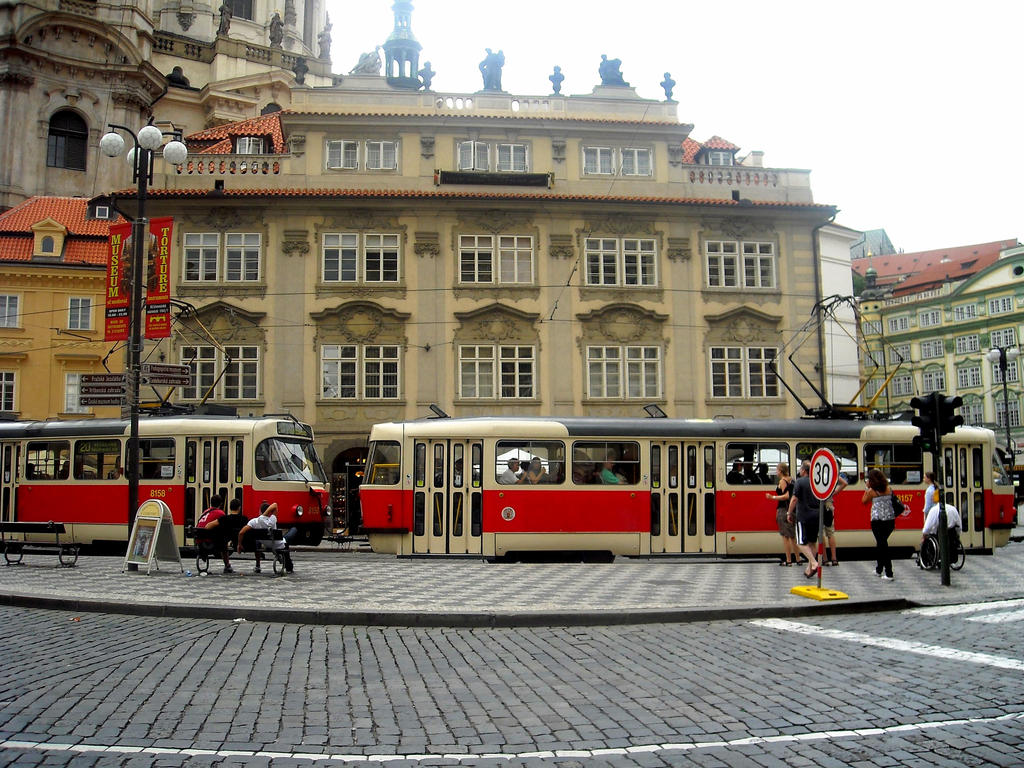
x,y
47,245
66,143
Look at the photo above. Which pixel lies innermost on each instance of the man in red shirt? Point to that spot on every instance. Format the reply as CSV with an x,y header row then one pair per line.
x,y
209,521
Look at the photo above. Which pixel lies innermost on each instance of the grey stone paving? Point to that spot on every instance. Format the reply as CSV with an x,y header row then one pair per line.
x,y
357,587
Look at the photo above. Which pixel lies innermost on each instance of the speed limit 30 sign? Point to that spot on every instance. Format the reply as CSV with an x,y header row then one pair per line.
x,y
824,473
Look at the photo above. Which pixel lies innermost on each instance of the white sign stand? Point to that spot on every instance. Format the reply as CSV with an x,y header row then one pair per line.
x,y
152,537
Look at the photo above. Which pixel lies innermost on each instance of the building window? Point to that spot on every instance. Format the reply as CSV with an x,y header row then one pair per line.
x,y
8,311
903,385
499,371
79,313
625,261
66,142
6,391
965,345
871,327
1011,373
1001,412
474,156
241,366
723,266
46,245
871,388
350,258
973,413
933,381
636,162
930,318
897,324
512,158
719,157
248,145
381,155
968,376
628,371
965,312
743,372
597,160
932,348
899,353
72,388
241,261
364,372
241,9
1005,337
476,259
1000,306
343,155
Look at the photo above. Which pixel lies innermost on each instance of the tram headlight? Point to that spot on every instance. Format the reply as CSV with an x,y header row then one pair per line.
x,y
298,510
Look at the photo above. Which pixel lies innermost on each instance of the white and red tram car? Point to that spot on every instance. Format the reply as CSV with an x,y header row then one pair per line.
x,y
72,472
435,486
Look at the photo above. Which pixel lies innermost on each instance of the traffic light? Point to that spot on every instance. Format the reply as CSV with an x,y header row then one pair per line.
x,y
946,416
926,421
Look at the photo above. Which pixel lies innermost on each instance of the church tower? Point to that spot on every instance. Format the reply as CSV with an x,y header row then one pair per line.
x,y
402,50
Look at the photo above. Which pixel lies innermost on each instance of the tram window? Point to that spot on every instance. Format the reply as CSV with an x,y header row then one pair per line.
x,y
978,470
691,467
156,458
382,462
947,466
438,465
97,460
478,468
207,464
540,461
998,470
608,462
48,460
458,455
190,461
754,463
900,462
845,453
283,458
709,468
655,466
962,454
239,461
420,465
673,466
223,462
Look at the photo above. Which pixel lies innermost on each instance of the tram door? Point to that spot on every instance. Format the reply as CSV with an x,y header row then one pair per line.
x,y
212,465
963,473
666,498
699,518
447,498
9,455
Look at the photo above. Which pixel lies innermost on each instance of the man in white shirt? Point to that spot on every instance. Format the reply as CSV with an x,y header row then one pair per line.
x,y
511,475
931,522
266,521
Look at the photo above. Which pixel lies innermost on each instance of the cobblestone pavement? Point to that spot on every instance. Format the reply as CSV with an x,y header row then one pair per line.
x,y
940,686
364,588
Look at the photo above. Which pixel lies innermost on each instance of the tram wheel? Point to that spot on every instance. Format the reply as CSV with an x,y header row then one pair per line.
x,y
310,535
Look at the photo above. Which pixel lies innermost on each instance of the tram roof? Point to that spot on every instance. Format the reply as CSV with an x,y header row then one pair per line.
x,y
820,429
148,426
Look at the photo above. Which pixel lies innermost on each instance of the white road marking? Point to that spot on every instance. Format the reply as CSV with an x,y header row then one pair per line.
x,y
956,610
998,618
895,644
686,746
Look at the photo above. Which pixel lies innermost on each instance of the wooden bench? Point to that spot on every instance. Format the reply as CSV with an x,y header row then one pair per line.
x,y
15,549
264,540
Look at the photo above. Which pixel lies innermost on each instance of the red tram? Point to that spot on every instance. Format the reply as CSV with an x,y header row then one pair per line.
x,y
71,471
440,486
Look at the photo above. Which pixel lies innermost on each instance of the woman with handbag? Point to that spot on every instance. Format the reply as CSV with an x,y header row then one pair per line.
x,y
883,518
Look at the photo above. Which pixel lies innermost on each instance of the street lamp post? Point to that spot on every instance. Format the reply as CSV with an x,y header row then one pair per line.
x,y
1004,356
146,142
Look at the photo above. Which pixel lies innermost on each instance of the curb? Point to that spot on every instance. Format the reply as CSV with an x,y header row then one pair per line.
x,y
453,620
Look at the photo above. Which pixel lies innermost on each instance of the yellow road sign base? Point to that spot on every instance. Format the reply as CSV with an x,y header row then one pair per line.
x,y
819,593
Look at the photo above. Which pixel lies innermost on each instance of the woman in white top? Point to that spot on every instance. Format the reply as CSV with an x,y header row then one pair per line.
x,y
883,519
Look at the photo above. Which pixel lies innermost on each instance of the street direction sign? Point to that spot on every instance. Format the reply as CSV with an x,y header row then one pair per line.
x,y
101,400
166,374
102,378
824,473
104,389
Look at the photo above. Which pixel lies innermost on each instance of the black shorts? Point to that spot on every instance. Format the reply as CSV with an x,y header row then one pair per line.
x,y
807,531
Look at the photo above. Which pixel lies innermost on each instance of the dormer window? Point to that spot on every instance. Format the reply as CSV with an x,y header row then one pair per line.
x,y
46,246
249,145
719,157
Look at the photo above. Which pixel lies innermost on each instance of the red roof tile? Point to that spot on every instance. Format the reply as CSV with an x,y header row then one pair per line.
x,y
69,211
690,150
894,266
76,250
450,194
717,142
265,126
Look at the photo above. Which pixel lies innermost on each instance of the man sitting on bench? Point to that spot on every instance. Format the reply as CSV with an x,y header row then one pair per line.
x,y
210,523
266,521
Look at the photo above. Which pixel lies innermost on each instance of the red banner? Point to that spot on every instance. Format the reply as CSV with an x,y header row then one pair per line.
x,y
118,312
158,282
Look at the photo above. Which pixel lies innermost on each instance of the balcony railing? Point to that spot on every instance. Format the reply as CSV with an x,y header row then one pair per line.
x,y
231,165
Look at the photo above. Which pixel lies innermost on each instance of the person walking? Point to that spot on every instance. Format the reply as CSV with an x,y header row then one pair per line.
x,y
783,492
883,519
803,509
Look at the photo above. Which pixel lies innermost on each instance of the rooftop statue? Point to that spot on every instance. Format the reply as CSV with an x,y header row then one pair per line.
x,y
608,69
324,40
225,19
426,75
490,68
556,79
668,84
276,30
369,63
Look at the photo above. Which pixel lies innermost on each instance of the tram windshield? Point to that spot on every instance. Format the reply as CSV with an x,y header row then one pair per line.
x,y
279,458
999,476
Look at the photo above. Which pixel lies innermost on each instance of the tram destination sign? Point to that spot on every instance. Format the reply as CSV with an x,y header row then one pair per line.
x,y
166,374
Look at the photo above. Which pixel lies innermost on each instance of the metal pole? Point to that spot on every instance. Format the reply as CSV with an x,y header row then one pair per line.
x,y
1008,456
140,236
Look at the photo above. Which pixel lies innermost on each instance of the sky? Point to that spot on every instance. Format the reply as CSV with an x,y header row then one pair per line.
x,y
908,113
